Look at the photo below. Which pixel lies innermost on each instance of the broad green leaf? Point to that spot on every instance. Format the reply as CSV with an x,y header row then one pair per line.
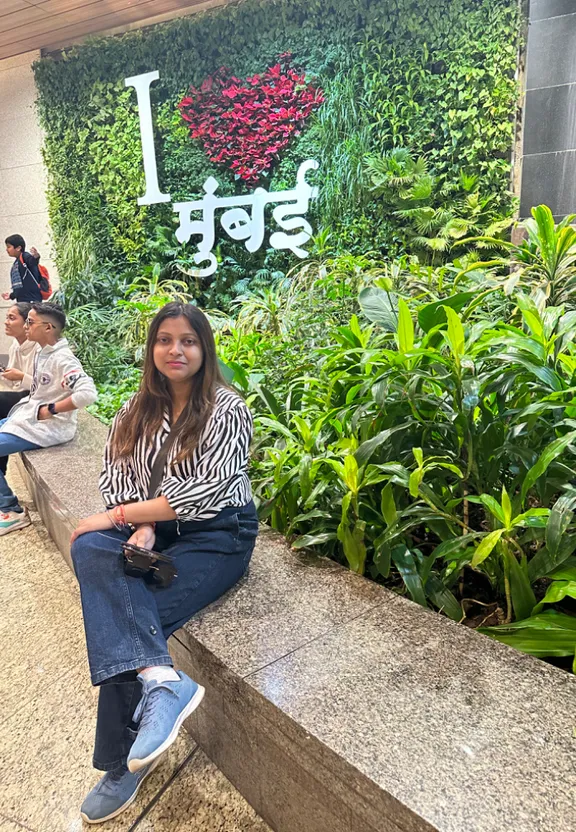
x,y
387,505
338,467
556,592
346,500
449,548
455,335
566,572
536,642
304,471
443,599
405,563
448,467
491,504
366,449
272,403
304,431
530,314
405,328
534,518
560,518
484,549
418,456
227,371
414,483
273,424
547,620
506,508
547,456
546,375
380,307
382,557
351,473
352,540
523,598
545,562
434,314
310,515
355,327
372,476
313,539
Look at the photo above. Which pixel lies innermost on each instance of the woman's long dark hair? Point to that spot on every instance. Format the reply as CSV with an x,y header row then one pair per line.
x,y
146,413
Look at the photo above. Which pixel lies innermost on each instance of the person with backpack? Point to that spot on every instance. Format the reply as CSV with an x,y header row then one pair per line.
x,y
28,284
45,287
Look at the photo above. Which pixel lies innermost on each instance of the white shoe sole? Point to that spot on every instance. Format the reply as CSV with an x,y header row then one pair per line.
x,y
128,803
136,765
15,526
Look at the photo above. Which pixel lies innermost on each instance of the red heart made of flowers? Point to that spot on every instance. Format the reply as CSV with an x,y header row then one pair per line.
x,y
245,125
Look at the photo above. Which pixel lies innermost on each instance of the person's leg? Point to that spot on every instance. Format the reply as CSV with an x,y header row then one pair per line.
x,y
209,562
197,585
119,642
121,621
11,444
210,558
117,701
8,398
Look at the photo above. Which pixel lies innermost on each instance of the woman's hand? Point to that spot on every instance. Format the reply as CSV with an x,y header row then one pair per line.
x,y
6,295
13,375
94,523
144,536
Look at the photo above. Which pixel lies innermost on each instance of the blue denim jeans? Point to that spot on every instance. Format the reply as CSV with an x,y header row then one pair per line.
x,y
127,621
10,444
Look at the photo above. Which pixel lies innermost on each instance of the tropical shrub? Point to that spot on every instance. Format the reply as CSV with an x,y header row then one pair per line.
x,y
415,422
545,261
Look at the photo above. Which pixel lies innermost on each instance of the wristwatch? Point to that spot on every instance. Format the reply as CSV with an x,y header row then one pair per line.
x,y
51,408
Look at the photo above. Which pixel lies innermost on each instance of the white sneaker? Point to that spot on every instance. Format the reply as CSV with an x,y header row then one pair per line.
x,y
13,520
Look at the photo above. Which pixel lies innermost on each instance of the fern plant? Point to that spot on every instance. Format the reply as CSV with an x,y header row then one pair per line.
x,y
436,214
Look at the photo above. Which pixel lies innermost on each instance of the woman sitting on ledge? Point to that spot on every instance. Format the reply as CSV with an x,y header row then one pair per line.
x,y
174,481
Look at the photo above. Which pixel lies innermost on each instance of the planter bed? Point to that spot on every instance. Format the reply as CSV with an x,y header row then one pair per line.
x,y
335,705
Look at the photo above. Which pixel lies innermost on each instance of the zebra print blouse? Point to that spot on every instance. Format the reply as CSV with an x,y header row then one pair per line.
x,y
214,478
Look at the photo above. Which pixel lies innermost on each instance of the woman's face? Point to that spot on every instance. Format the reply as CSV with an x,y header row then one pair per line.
x,y
178,354
14,324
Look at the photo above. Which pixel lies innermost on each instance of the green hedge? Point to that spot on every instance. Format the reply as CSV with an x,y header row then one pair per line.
x,y
435,77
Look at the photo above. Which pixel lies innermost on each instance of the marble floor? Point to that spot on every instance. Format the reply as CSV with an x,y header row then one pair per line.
x,y
48,714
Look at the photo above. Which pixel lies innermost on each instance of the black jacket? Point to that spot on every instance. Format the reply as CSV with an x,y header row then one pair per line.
x,y
30,290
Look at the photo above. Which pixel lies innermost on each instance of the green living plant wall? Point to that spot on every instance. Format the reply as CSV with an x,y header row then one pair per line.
x,y
435,80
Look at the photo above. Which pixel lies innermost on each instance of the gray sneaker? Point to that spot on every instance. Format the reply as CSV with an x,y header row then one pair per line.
x,y
113,793
10,521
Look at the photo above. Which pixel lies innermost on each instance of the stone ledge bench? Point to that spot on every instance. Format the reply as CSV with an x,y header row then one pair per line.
x,y
334,705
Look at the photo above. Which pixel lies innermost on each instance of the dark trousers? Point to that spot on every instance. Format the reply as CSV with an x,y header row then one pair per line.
x,y
127,621
8,398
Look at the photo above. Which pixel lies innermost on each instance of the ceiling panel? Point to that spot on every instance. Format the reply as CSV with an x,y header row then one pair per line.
x,y
26,25
9,6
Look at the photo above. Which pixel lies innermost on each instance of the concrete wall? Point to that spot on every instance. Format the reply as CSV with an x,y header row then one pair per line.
x,y
23,207
549,160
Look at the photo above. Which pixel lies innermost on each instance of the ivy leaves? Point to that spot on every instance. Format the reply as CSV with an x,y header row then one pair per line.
x,y
436,78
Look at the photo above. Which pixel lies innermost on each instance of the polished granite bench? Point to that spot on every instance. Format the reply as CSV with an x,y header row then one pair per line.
x,y
334,705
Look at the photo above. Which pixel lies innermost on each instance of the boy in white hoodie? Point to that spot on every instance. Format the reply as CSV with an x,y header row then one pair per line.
x,y
48,416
